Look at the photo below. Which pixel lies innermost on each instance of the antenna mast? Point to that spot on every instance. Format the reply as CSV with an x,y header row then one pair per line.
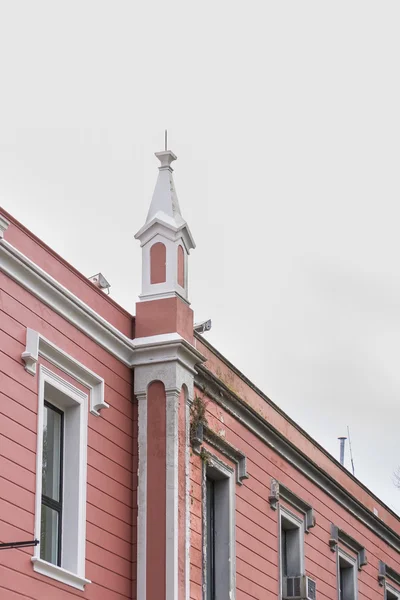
x,y
351,453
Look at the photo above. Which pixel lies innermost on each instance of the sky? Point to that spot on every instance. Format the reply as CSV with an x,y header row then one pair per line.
x,y
286,123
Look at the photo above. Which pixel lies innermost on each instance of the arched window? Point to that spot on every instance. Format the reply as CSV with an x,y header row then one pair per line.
x,y
158,257
181,267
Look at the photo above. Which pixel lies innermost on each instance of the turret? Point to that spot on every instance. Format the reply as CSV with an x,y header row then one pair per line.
x,y
166,241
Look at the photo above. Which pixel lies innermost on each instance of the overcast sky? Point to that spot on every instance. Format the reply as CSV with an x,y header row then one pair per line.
x,y
286,122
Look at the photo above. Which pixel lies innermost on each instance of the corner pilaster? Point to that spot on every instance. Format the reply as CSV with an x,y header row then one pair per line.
x,y
169,360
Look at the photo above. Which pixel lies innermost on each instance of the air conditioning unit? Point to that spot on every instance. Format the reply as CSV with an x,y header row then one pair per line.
x,y
299,588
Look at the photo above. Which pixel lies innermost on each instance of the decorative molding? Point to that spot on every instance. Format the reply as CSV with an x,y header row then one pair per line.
x,y
132,353
62,301
204,433
255,423
280,491
165,348
385,571
37,345
3,226
340,536
74,404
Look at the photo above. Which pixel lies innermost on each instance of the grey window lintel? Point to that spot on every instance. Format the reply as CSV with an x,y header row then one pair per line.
x,y
338,535
279,490
205,434
385,571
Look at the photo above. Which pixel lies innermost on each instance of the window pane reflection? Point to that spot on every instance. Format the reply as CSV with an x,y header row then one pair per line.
x,y
51,466
49,535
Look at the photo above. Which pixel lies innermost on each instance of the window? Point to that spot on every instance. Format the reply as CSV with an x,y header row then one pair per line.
x,y
292,544
219,530
52,485
210,538
391,593
60,509
347,576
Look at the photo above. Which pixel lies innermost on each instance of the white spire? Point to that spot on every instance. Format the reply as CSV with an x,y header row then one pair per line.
x,y
165,239
164,207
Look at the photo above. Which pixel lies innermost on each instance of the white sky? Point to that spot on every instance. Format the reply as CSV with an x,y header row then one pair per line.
x,y
285,119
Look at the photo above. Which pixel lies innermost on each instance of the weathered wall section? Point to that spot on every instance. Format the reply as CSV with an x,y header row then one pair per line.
x,y
257,542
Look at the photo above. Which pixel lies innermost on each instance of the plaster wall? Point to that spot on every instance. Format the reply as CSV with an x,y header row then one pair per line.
x,y
112,448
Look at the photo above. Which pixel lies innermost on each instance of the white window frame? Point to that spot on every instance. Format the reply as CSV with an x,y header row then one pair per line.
x,y
214,468
74,403
352,562
284,513
392,590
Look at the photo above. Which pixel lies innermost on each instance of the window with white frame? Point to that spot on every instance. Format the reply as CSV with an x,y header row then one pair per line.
x,y
347,576
52,484
291,531
218,530
60,510
391,593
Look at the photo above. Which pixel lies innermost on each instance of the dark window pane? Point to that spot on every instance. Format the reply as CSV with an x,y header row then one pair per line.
x,y
210,508
51,465
49,531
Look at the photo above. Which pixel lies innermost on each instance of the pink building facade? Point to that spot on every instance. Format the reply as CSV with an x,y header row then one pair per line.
x,y
137,463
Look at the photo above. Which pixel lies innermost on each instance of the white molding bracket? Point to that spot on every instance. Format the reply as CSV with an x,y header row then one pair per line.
x,y
37,345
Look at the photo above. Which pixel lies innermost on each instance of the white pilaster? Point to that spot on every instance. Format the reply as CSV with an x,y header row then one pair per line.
x,y
172,493
170,359
142,494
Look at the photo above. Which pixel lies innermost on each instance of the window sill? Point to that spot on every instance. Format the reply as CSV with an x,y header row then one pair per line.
x,y
58,573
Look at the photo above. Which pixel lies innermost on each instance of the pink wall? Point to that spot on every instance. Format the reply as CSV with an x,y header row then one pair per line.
x,y
112,452
168,315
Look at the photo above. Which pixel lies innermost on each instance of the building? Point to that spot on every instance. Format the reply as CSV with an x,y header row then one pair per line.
x,y
136,462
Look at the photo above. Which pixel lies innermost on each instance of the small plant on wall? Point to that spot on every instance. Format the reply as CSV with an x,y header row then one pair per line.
x,y
197,419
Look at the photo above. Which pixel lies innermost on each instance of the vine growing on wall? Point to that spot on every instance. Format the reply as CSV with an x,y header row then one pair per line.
x,y
197,415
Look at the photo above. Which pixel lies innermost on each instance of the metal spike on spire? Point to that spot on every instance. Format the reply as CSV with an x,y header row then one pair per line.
x,y
166,140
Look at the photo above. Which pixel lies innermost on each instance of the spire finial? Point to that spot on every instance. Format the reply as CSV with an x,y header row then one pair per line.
x,y
166,140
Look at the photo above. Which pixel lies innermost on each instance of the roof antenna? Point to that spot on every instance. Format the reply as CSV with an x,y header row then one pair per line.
x,y
342,443
166,139
351,453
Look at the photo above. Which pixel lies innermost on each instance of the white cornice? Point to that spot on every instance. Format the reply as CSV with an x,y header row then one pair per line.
x,y
166,348
132,353
51,292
